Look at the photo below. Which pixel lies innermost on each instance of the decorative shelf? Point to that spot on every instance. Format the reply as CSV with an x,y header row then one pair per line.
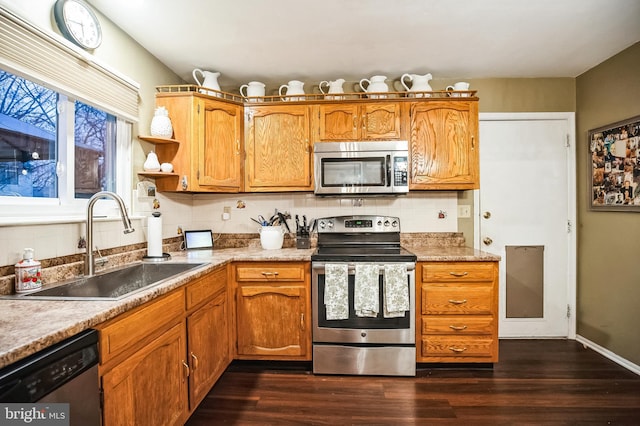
x,y
157,174
157,139
464,95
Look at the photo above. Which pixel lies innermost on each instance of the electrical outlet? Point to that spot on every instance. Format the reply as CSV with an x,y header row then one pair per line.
x,y
464,211
226,213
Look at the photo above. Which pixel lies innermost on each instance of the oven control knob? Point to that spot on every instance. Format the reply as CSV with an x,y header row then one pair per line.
x,y
363,334
394,223
379,223
387,223
330,224
321,224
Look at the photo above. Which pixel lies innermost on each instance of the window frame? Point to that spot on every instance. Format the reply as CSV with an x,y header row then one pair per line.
x,y
25,209
80,76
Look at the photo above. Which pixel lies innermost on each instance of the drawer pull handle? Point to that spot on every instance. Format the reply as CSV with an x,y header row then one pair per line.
x,y
269,274
194,364
186,369
458,327
457,350
458,302
459,274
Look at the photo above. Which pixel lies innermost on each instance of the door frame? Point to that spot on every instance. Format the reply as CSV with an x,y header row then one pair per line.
x,y
569,117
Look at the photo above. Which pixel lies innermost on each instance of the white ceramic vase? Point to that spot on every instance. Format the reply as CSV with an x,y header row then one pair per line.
x,y
161,123
151,164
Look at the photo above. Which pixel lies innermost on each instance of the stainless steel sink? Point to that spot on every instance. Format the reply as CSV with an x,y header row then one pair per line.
x,y
116,284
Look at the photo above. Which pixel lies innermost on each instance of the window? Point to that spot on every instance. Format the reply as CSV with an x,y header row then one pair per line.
x,y
80,113
36,144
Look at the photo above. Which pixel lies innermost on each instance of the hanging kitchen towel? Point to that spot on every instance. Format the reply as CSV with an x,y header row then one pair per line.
x,y
396,290
367,290
336,296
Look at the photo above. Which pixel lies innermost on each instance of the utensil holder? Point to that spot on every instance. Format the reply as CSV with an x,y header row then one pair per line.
x,y
303,242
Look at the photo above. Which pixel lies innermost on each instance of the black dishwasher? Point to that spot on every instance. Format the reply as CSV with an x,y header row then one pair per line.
x,y
66,372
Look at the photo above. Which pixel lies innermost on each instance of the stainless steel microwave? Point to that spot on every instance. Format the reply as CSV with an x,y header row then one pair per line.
x,y
361,168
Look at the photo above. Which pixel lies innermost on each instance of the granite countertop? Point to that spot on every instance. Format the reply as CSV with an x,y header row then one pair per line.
x,y
27,326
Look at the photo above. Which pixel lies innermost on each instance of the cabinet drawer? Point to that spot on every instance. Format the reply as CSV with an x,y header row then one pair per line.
x,y
133,330
457,325
457,271
269,272
206,287
445,346
457,299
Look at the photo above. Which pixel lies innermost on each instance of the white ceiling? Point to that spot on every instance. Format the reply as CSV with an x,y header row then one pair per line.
x,y
279,40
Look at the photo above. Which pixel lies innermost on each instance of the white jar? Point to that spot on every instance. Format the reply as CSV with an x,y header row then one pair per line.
x,y
271,237
161,123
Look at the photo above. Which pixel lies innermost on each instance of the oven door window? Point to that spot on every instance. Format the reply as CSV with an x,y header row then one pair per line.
x,y
354,321
369,171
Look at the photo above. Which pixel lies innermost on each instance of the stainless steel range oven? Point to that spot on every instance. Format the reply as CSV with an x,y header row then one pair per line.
x,y
363,298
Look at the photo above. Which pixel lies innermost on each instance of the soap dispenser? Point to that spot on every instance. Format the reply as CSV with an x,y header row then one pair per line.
x,y
28,273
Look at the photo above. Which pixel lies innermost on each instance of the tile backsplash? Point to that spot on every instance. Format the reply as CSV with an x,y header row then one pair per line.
x,y
433,211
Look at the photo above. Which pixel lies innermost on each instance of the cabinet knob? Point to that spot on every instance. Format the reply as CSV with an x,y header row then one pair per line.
x,y
486,215
487,241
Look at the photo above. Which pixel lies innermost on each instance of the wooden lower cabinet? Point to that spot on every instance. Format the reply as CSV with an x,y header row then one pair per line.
x,y
208,334
149,388
160,360
273,310
457,315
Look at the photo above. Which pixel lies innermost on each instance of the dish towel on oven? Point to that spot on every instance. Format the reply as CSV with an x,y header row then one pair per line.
x,y
396,290
366,292
336,295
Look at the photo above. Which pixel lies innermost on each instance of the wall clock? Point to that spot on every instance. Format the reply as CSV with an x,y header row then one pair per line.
x,y
78,23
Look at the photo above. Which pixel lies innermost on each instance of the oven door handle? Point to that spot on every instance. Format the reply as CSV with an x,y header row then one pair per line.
x,y
319,266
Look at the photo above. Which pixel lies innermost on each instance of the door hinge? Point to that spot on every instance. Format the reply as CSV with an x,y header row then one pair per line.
x,y
568,141
568,226
568,311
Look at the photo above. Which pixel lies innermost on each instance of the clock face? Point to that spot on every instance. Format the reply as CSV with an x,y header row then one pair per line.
x,y
78,23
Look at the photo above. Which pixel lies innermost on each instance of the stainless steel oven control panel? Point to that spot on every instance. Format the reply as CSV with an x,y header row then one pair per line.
x,y
349,224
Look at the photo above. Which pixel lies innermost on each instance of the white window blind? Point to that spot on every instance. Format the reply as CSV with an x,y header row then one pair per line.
x,y
28,50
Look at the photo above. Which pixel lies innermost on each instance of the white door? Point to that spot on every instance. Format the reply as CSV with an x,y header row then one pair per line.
x,y
526,202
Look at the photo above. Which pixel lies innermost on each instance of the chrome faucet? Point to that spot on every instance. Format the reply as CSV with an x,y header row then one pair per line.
x,y
89,264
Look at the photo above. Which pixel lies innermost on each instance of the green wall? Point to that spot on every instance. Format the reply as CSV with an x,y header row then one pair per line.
x,y
608,242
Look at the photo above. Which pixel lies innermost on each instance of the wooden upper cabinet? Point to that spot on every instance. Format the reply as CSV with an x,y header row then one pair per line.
x,y
278,148
219,146
208,157
357,121
444,146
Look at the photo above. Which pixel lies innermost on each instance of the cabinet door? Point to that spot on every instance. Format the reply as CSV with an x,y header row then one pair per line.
x,y
444,145
352,122
337,122
278,149
272,321
208,334
149,388
219,156
380,121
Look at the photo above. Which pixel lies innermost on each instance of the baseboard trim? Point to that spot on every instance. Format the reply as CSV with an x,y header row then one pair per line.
x,y
608,354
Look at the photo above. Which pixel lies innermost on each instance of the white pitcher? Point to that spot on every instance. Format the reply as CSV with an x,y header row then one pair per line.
x,y
375,85
419,83
253,91
460,86
294,87
210,80
334,87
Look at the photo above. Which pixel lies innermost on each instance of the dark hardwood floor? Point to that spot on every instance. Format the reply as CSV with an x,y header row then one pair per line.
x,y
536,382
